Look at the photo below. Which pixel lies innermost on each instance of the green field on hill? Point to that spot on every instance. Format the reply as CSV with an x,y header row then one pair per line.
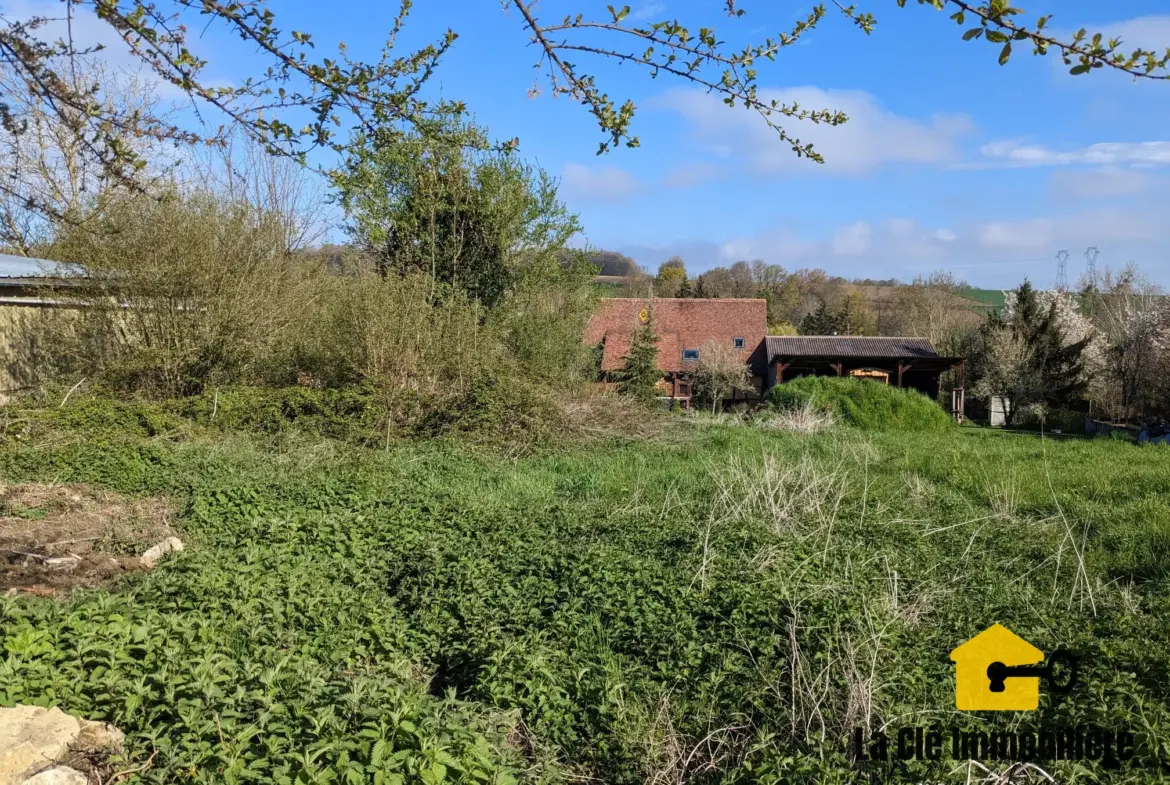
x,y
718,604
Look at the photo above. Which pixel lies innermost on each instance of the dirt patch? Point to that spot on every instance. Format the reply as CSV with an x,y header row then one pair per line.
x,y
57,537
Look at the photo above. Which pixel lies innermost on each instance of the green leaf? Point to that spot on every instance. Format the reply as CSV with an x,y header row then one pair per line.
x,y
1005,53
974,32
1077,70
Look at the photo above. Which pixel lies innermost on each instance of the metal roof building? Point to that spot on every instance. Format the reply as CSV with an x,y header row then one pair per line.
x,y
902,361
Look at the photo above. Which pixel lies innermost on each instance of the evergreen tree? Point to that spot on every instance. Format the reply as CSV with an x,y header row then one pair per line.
x,y
640,376
1059,366
685,289
823,321
1044,368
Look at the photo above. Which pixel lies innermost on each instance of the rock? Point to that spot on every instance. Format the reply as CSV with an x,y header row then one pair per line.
x,y
155,554
32,738
62,562
99,737
58,775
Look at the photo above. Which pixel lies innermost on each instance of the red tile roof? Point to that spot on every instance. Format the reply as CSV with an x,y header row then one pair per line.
x,y
680,323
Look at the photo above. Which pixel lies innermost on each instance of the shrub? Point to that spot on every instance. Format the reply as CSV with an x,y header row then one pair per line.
x,y
354,414
493,408
863,404
184,292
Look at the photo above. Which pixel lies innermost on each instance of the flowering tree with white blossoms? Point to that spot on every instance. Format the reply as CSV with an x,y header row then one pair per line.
x,y
1133,316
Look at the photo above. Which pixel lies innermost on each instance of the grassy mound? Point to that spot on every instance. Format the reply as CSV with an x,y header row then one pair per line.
x,y
861,403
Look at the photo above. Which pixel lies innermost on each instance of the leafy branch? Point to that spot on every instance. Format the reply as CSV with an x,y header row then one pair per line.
x,y
704,60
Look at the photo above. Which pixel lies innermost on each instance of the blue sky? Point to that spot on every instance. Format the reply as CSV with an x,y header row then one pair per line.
x,y
949,161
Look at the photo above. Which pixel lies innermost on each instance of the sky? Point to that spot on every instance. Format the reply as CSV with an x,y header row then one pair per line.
x,y
948,160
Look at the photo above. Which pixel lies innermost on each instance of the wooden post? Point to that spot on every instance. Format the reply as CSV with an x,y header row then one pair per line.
x,y
836,367
902,367
673,389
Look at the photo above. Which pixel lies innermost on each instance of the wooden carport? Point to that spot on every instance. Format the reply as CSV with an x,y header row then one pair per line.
x,y
905,362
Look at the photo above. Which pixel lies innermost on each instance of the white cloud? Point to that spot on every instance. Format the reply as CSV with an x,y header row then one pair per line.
x,y
649,11
873,136
1150,32
986,252
1013,153
1033,233
692,174
607,184
852,240
1106,182
1145,32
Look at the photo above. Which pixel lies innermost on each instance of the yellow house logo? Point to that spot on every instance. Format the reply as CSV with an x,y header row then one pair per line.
x,y
998,670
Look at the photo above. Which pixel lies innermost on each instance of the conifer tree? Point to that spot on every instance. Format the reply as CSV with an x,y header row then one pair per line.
x,y
640,376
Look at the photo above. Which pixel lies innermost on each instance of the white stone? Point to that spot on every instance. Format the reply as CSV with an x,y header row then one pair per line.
x,y
155,554
31,738
58,775
99,737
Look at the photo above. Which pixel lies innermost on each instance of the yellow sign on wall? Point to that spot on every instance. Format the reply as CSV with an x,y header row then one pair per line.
x,y
644,316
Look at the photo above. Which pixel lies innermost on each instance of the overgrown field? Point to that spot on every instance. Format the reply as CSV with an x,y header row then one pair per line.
x,y
723,606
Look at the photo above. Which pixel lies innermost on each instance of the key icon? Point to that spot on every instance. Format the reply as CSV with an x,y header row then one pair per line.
x,y
1060,683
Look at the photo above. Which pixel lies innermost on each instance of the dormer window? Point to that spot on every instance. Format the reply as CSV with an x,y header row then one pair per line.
x,y
738,342
690,354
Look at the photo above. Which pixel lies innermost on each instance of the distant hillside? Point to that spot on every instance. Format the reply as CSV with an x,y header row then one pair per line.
x,y
989,299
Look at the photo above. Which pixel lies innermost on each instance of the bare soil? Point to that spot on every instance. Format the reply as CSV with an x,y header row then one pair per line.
x,y
54,538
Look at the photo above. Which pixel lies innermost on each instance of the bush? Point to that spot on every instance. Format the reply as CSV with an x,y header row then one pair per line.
x,y
863,404
495,408
355,414
185,292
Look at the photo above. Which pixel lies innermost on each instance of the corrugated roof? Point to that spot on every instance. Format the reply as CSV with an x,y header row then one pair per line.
x,y
847,346
25,267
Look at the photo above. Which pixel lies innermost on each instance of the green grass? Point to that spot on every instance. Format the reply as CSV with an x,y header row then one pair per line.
x,y
862,404
434,613
991,298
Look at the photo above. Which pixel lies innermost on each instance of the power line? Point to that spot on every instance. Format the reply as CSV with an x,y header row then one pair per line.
x,y
1062,271
1091,254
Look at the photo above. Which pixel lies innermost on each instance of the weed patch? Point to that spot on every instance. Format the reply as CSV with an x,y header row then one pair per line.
x,y
724,607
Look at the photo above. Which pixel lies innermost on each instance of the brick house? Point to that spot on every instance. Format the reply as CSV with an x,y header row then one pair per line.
x,y
683,327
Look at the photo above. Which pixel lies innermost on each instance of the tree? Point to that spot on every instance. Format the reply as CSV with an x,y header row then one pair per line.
x,y
856,317
383,96
243,173
1026,354
822,321
1058,357
932,307
719,370
1133,317
671,275
50,176
640,377
1009,372
441,201
782,328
